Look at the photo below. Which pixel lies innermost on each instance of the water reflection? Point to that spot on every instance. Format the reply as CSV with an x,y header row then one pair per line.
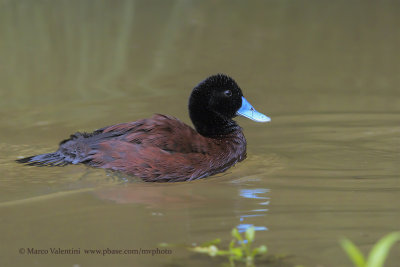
x,y
258,194
160,196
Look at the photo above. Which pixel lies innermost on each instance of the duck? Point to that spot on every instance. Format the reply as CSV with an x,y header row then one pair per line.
x,y
163,148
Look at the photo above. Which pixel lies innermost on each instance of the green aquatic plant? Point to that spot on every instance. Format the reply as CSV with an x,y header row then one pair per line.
x,y
377,255
239,248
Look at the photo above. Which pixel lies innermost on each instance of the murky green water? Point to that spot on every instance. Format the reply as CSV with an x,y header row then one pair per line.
x,y
327,166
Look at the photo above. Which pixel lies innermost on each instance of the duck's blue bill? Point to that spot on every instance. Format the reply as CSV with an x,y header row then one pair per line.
x,y
247,110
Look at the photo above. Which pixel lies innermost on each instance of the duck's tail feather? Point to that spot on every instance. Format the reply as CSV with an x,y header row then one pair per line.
x,y
49,159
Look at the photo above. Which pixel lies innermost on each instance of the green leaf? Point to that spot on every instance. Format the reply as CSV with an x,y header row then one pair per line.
x,y
259,251
250,234
353,252
212,242
211,250
380,251
237,253
235,234
232,244
199,250
223,253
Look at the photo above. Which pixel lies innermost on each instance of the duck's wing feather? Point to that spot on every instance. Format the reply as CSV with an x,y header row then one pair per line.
x,y
164,132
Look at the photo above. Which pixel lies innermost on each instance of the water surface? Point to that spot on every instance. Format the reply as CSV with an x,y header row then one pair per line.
x,y
327,165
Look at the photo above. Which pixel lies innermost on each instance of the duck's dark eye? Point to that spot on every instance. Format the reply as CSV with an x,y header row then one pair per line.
x,y
228,93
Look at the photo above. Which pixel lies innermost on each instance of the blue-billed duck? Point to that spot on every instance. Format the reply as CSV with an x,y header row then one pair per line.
x,y
162,148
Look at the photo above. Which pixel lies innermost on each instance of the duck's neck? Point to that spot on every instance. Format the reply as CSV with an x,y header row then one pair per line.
x,y
211,124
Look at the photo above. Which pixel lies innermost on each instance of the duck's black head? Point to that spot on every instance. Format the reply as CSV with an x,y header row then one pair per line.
x,y
213,104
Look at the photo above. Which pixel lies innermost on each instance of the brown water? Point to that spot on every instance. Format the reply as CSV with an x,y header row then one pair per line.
x,y
327,166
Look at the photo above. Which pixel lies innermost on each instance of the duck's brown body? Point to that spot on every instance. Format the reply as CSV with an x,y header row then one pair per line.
x,y
161,148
